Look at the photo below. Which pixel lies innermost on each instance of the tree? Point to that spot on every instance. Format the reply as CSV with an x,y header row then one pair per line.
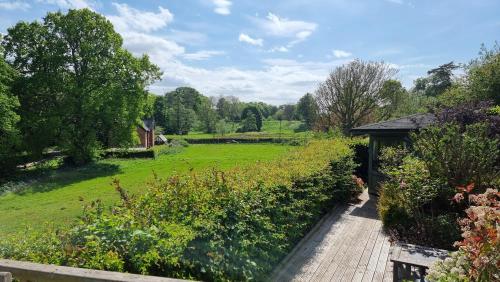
x,y
308,110
9,133
352,92
220,127
207,116
256,114
79,89
484,75
394,97
179,118
190,97
249,123
289,112
160,111
438,80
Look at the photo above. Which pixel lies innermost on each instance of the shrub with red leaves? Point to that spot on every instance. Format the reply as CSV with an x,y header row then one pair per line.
x,y
478,257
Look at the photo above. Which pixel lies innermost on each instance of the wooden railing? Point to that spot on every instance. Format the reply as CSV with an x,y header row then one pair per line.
x,y
35,272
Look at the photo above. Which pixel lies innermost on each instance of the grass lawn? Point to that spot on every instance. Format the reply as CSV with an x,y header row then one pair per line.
x,y
270,129
58,198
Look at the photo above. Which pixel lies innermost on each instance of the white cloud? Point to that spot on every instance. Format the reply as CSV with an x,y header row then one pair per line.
x,y
129,19
253,41
70,4
282,49
283,27
202,55
341,54
14,5
222,7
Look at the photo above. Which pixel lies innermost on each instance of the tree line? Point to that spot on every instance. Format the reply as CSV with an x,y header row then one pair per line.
x,y
185,109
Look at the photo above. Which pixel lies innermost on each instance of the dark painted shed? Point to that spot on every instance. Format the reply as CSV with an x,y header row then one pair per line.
x,y
389,133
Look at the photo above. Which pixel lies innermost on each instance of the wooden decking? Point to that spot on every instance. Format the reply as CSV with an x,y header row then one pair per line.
x,y
347,245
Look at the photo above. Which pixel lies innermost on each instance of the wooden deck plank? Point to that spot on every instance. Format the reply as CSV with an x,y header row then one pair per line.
x,y
347,245
367,252
382,261
351,259
331,251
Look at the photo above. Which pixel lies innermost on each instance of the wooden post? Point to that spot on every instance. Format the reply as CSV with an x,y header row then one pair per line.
x,y
371,185
5,277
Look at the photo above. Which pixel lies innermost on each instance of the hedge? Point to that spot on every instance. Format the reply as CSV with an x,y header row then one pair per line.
x,y
211,225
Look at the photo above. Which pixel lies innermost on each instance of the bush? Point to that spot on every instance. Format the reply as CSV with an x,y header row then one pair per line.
x,y
211,225
459,156
478,256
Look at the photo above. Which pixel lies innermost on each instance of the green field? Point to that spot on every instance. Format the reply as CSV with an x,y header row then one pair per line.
x,y
270,129
59,198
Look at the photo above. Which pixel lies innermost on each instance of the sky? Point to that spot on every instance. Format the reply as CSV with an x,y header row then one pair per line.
x,y
276,51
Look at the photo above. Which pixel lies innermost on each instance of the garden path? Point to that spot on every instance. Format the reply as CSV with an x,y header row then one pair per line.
x,y
348,244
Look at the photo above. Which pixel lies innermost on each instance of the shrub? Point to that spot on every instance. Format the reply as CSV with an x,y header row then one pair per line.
x,y
478,257
459,156
212,225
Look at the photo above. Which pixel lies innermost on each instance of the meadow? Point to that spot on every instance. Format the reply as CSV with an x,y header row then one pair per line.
x,y
270,129
59,196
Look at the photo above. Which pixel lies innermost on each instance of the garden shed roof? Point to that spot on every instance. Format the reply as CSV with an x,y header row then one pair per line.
x,y
400,125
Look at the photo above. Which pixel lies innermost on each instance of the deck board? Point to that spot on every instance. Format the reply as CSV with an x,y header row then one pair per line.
x,y
348,244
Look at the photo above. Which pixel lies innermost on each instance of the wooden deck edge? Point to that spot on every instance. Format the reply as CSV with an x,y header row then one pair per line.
x,y
28,271
279,268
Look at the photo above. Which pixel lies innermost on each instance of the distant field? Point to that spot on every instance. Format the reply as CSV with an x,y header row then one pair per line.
x,y
270,129
59,198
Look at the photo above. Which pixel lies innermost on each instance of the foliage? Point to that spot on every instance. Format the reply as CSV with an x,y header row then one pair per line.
x,y
351,93
79,88
9,132
484,75
459,156
438,80
470,113
253,110
249,123
179,117
478,257
410,205
394,100
211,225
308,110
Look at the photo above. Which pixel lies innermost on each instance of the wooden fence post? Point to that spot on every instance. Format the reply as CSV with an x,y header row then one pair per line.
x,y
5,277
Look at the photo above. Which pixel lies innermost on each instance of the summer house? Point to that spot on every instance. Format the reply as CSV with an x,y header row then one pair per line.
x,y
389,133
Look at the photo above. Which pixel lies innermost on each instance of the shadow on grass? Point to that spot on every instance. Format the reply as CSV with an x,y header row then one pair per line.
x,y
52,179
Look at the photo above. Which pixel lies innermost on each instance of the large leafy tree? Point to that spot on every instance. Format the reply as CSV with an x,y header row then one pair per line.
x,y
308,109
9,133
257,115
79,88
438,80
351,93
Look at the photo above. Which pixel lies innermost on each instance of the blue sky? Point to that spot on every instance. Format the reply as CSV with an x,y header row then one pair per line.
x,y
276,51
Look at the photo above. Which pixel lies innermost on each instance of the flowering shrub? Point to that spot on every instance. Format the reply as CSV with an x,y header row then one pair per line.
x,y
211,225
478,257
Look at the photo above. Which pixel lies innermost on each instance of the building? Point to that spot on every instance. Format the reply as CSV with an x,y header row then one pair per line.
x,y
146,132
388,133
160,140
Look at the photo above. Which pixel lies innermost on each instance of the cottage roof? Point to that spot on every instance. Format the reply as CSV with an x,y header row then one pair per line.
x,y
400,125
148,124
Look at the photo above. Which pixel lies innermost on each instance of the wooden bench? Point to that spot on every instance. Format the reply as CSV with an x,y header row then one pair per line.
x,y
411,261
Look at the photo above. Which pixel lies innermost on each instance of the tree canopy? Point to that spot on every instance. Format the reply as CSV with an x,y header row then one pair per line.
x,y
79,89
352,92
